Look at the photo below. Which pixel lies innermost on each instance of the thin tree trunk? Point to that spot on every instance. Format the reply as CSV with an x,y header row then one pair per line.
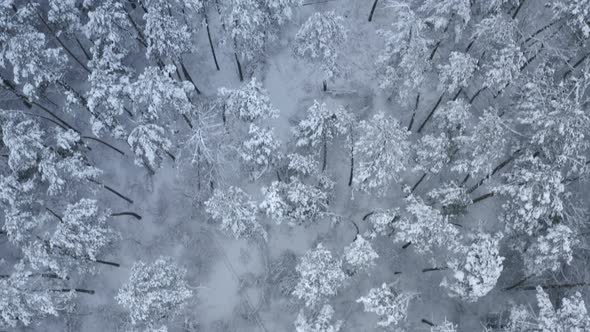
x,y
431,113
432,269
579,62
482,197
520,282
325,155
26,101
132,214
414,113
536,33
211,42
129,200
99,261
188,121
62,44
494,171
373,10
518,9
88,57
77,290
239,67
405,246
104,143
351,176
324,85
427,322
477,94
189,77
418,182
465,179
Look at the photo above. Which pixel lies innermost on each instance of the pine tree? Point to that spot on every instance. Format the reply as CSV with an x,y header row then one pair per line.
x,y
404,62
155,292
476,270
383,152
318,41
458,72
321,322
24,300
320,276
425,227
295,202
550,250
236,211
572,316
149,142
360,255
389,304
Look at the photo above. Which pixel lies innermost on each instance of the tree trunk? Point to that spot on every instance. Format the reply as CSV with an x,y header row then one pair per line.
x,y
129,200
211,41
62,44
350,177
405,246
324,155
104,143
239,67
414,113
427,322
476,94
518,9
107,263
373,10
432,269
324,85
482,197
418,182
77,290
431,113
189,77
88,57
132,214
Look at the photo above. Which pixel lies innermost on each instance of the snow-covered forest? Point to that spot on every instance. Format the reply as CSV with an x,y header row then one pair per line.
x,y
295,165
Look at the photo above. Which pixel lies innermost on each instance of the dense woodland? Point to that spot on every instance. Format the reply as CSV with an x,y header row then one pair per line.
x,y
289,165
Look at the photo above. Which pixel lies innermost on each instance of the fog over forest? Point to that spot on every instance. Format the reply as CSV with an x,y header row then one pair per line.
x,y
295,165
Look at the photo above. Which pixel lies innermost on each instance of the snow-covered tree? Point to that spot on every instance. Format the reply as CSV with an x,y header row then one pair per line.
x,y
446,326
556,118
453,118
550,250
382,222
476,270
433,153
360,254
425,227
247,26
536,196
34,64
149,143
441,13
295,202
320,322
458,72
572,316
249,103
156,96
485,146
166,30
504,67
452,198
383,152
83,230
319,40
260,150
320,276
281,11
388,303
155,292
236,211
404,62
322,125
24,300
575,12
